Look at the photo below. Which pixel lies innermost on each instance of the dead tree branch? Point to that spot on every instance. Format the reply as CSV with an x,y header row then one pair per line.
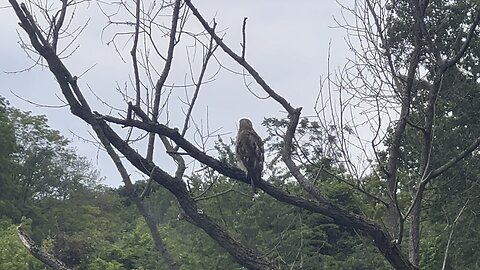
x,y
38,253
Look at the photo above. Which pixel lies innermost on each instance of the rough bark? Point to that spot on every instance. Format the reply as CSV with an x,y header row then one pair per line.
x,y
382,240
38,253
245,256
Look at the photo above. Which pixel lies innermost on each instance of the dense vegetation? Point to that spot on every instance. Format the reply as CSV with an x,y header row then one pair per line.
x,y
417,67
91,226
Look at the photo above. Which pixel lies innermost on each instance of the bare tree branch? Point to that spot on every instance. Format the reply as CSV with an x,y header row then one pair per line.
x,y
449,241
163,77
292,167
240,60
437,172
244,37
152,226
133,52
342,217
58,24
36,251
174,140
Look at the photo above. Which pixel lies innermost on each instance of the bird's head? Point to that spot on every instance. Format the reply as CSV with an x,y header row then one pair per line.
x,y
245,123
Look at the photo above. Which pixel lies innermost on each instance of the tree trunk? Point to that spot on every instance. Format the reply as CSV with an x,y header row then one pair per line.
x,y
414,239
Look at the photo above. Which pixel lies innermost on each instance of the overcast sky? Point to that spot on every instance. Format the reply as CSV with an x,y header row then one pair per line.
x,y
287,42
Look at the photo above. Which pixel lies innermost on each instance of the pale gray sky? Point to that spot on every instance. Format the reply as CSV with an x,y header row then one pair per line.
x,y
287,42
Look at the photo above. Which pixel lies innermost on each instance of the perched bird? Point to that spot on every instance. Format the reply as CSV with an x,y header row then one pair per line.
x,y
249,152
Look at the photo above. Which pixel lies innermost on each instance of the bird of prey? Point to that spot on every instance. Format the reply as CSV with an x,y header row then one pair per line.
x,y
249,152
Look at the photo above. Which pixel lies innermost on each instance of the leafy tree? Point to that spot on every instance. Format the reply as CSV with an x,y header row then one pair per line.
x,y
41,175
450,199
94,227
409,53
7,141
13,254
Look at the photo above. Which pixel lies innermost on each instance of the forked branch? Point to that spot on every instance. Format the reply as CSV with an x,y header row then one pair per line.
x,y
241,61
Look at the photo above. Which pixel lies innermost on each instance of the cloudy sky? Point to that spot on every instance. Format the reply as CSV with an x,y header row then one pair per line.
x,y
287,42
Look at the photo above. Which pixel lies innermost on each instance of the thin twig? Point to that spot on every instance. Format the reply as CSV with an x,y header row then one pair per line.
x,y
133,52
244,37
451,234
281,100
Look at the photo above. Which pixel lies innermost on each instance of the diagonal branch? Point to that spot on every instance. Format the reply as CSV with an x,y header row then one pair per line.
x,y
33,24
164,75
292,167
437,172
209,53
471,34
58,24
449,241
245,256
152,226
281,100
341,217
38,253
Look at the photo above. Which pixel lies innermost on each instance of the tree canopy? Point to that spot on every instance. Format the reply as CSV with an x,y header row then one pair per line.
x,y
330,198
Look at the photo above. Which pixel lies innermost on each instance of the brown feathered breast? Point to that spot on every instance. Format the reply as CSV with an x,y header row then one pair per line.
x,y
249,152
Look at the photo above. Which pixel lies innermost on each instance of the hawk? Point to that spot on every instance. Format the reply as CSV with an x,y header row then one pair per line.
x,y
249,152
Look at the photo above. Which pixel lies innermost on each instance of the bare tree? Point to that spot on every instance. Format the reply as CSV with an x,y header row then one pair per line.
x,y
389,83
387,89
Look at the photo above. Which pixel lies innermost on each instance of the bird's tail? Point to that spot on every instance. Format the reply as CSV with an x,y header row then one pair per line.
x,y
254,180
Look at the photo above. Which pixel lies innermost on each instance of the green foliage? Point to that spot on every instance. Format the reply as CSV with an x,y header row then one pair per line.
x,y
290,237
7,185
89,226
447,23
13,254
45,164
456,127
101,264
